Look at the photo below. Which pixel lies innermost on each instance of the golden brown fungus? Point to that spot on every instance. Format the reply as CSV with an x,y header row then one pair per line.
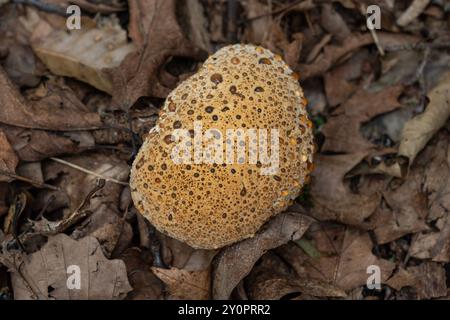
x,y
210,205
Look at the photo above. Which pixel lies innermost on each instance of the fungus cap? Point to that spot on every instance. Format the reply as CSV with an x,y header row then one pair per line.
x,y
247,101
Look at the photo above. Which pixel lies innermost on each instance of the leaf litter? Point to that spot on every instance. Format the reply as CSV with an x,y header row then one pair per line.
x,y
77,104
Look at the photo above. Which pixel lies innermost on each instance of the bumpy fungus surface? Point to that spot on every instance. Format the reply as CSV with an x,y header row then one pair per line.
x,y
210,205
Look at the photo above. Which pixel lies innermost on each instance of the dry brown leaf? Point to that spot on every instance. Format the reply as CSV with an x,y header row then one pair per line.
x,y
182,256
277,41
333,53
146,286
8,158
258,29
431,280
418,131
339,81
343,129
20,65
44,275
333,22
59,111
332,198
344,256
185,285
401,279
106,221
272,279
405,210
237,260
193,20
158,36
36,145
83,54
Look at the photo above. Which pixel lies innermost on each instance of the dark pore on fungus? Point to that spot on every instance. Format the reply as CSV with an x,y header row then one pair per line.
x,y
243,101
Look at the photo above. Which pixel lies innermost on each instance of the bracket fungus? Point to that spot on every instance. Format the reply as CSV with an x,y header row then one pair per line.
x,y
232,147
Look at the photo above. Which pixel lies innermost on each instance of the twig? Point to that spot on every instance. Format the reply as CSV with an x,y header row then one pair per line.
x,y
77,167
413,11
30,181
47,7
45,227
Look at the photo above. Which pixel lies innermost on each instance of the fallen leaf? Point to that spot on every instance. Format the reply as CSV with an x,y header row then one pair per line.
x,y
333,53
405,210
431,280
332,198
333,22
180,255
343,129
272,280
8,159
237,260
418,131
146,286
340,81
83,54
44,274
106,221
258,29
185,285
345,255
20,65
36,145
60,111
155,31
401,279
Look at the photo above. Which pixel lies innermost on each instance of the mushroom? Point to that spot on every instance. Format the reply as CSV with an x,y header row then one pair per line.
x,y
233,146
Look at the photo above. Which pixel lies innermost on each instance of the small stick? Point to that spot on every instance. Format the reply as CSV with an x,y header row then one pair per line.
x,y
413,11
47,7
77,167
30,181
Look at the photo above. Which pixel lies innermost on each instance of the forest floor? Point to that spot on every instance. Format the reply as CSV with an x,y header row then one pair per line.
x,y
377,206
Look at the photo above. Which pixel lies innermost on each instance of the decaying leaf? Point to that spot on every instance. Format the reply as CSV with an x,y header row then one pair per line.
x,y
106,221
8,158
333,53
185,285
333,199
418,131
404,211
59,111
36,145
158,36
272,279
431,280
83,54
236,261
401,279
44,274
180,255
146,286
345,255
343,129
